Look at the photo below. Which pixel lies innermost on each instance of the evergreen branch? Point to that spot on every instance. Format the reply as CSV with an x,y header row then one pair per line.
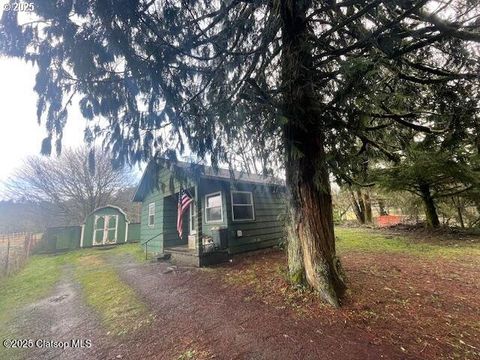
x,y
400,119
453,193
388,154
448,28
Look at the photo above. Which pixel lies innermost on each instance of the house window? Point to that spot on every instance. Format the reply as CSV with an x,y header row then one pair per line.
x,y
151,214
213,208
242,206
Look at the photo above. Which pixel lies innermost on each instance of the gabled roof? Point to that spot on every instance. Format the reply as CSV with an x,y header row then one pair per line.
x,y
196,171
108,206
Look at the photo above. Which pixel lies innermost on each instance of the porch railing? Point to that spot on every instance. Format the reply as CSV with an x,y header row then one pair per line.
x,y
146,244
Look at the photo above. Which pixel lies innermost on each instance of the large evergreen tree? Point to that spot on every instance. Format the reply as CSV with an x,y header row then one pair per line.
x,y
432,175
320,75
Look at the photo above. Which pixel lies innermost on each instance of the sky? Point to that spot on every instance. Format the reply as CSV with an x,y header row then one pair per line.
x,y
20,134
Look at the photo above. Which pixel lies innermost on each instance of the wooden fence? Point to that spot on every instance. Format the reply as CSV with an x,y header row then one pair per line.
x,y
15,249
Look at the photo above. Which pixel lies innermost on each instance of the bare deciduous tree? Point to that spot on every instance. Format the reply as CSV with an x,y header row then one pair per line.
x,y
67,182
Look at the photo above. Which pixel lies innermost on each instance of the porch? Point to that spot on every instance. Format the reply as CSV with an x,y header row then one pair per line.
x,y
194,247
183,255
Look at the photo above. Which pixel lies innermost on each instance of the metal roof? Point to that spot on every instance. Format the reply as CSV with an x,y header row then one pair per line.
x,y
208,172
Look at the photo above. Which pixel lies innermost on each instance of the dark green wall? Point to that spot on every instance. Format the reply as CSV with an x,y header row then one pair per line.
x,y
133,232
89,223
59,239
269,206
164,231
265,231
149,232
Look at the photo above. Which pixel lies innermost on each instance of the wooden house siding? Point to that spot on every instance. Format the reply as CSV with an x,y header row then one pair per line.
x,y
165,199
265,230
148,232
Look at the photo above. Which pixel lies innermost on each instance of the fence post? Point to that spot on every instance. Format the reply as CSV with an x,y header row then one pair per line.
x,y
8,255
28,243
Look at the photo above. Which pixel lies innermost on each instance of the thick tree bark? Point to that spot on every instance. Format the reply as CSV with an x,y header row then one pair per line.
x,y
430,208
296,269
306,166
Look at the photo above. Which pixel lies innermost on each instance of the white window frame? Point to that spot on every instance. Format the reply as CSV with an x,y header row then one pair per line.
x,y
95,229
192,217
116,229
221,208
251,204
106,229
151,211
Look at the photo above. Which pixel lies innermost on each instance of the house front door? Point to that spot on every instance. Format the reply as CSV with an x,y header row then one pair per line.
x,y
105,229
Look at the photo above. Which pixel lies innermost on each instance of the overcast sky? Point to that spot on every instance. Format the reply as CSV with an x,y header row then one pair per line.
x,y
20,134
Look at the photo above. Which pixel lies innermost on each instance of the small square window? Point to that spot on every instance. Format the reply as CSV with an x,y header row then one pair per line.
x,y
151,214
213,208
242,206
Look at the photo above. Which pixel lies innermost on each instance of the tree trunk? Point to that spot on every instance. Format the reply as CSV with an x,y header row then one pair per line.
x,y
368,207
381,207
312,233
458,206
306,165
296,269
430,208
358,207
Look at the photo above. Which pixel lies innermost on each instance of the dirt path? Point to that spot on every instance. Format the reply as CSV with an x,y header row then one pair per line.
x,y
62,317
245,310
198,315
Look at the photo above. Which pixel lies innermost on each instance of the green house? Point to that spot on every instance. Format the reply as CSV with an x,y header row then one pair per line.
x,y
232,212
106,225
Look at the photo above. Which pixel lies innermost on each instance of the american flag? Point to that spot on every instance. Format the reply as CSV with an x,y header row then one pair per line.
x,y
184,200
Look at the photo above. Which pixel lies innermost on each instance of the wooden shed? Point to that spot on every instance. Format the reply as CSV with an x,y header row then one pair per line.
x,y
232,212
106,225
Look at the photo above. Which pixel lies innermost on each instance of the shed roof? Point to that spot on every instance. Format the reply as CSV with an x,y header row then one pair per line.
x,y
196,171
108,206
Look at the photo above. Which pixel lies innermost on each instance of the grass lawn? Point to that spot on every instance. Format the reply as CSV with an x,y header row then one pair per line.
x,y
118,307
366,240
31,283
120,310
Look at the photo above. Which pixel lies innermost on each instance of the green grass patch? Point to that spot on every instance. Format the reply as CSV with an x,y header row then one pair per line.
x,y
133,249
35,280
40,275
120,310
355,239
30,284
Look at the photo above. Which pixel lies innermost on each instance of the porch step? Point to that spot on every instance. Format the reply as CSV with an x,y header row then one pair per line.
x,y
186,257
163,257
